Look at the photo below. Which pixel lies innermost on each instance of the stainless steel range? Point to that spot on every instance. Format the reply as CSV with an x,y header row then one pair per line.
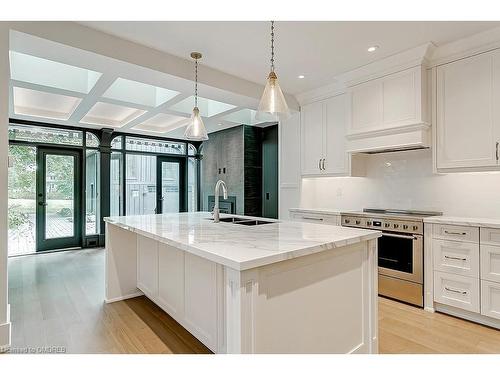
x,y
400,250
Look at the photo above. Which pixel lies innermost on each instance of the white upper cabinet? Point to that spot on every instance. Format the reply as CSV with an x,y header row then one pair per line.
x,y
391,102
467,113
336,157
312,138
323,130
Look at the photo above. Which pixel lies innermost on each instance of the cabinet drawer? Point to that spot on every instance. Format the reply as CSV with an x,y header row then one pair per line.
x,y
458,291
490,263
456,232
461,258
490,299
490,236
315,218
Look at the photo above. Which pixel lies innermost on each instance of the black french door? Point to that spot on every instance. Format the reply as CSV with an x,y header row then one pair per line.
x,y
171,185
59,198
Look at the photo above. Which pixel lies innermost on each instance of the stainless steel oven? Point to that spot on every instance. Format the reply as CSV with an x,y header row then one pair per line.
x,y
400,250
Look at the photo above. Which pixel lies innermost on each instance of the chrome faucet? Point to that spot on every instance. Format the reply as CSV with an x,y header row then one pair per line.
x,y
216,212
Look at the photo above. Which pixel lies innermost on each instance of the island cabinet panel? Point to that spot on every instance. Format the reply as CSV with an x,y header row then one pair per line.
x,y
121,264
319,303
201,297
147,265
171,279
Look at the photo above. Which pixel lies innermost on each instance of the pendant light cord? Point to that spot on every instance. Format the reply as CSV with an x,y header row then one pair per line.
x,y
196,83
272,46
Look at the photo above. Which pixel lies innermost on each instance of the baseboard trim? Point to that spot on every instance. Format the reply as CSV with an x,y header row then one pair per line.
x,y
429,309
6,333
121,298
467,315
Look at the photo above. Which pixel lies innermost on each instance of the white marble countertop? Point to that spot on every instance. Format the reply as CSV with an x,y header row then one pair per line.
x,y
323,211
237,246
466,221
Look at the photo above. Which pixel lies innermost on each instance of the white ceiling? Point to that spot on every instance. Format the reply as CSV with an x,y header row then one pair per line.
x,y
59,84
317,50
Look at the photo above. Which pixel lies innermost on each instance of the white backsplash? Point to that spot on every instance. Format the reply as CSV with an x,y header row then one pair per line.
x,y
405,180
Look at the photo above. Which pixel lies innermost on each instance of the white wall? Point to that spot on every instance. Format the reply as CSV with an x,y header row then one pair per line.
x,y
4,119
405,180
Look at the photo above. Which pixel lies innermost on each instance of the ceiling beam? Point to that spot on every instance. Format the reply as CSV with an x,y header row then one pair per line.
x,y
100,87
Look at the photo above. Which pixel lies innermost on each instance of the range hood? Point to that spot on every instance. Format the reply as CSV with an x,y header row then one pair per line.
x,y
390,140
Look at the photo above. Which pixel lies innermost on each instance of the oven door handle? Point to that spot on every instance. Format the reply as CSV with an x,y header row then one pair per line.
x,y
406,237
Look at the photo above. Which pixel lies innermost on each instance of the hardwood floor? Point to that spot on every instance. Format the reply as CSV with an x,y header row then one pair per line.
x,y
57,300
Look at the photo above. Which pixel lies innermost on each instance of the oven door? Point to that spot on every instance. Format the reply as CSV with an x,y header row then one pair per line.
x,y
401,256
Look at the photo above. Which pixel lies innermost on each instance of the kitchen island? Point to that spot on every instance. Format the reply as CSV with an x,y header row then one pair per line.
x,y
279,287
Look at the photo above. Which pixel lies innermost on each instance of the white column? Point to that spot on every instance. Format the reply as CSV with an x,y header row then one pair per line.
x,y
4,147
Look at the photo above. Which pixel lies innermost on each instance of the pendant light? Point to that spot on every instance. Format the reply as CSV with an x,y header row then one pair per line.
x,y
196,130
273,101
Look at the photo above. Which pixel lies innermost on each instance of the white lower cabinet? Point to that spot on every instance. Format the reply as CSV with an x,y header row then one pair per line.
x,y
490,299
147,265
461,258
186,286
200,298
466,268
458,291
171,279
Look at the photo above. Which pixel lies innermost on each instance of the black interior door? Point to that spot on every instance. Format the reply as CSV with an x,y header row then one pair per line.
x,y
59,199
270,172
171,185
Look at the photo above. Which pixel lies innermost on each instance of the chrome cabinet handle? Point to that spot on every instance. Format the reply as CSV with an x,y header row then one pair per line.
x,y
455,233
319,164
496,151
323,164
455,291
312,218
455,258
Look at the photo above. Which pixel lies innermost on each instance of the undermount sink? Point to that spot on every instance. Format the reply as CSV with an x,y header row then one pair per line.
x,y
243,221
253,222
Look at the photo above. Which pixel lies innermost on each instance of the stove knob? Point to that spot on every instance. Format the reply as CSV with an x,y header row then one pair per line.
x,y
358,222
415,227
387,225
368,223
405,226
347,221
396,225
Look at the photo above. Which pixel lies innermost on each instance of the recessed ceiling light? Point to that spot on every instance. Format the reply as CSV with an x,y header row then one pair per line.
x,y
373,48
301,77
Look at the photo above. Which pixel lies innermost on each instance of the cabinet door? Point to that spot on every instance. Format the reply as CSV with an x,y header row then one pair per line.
x,y
458,291
490,263
467,123
171,279
200,293
490,299
336,158
147,266
461,258
312,138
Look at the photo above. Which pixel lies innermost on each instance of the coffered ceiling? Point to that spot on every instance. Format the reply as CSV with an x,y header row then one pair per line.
x,y
58,84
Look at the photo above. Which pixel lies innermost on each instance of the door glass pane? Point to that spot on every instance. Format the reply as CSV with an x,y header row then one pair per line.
x,y
59,195
170,180
140,184
192,179
116,187
22,200
92,192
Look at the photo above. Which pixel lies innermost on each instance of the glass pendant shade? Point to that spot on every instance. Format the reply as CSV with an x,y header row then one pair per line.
x,y
196,130
273,101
